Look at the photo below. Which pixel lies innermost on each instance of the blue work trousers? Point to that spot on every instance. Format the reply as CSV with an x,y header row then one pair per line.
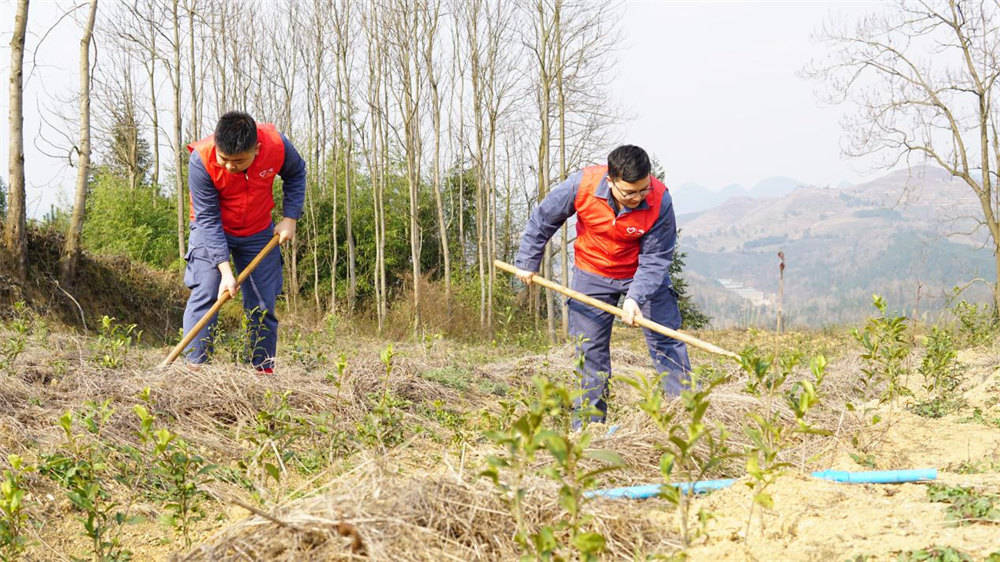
x,y
260,292
591,328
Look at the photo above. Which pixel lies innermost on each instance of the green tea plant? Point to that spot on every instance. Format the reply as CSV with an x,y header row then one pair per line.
x,y
683,434
237,345
182,471
934,554
274,434
382,426
977,324
967,505
886,345
340,378
13,343
545,425
114,342
13,517
770,434
940,370
325,442
306,349
82,467
454,420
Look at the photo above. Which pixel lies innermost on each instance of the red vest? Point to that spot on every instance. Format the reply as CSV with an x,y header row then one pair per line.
x,y
605,244
245,200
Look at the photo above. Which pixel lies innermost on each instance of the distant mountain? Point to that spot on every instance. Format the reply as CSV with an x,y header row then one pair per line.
x,y
908,236
694,198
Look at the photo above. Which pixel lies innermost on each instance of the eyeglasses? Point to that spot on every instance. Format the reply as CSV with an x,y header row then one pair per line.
x,y
630,194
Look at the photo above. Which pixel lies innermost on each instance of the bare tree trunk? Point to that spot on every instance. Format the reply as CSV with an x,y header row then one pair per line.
x,y
70,259
378,154
192,7
152,57
432,13
545,49
178,139
15,236
346,117
561,101
404,37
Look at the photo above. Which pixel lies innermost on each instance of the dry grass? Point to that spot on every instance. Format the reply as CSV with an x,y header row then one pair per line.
x,y
421,499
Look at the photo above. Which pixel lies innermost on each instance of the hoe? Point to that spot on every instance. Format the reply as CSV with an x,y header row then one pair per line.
x,y
218,304
648,324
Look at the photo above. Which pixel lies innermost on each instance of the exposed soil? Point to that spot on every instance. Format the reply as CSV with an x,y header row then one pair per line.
x,y
117,287
421,497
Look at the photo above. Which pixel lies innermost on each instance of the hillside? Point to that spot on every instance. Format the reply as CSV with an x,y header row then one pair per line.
x,y
357,450
124,289
907,235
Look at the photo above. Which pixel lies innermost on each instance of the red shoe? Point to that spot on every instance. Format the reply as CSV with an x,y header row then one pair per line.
x,y
265,370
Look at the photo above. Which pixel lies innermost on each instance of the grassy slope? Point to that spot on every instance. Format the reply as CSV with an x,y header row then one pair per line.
x,y
390,464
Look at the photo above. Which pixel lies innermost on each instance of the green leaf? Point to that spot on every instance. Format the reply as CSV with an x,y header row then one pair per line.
x,y
567,499
606,456
764,500
753,466
273,471
589,542
545,540
666,464
557,446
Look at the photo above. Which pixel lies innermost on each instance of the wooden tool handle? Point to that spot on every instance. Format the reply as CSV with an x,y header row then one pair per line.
x,y
176,351
643,322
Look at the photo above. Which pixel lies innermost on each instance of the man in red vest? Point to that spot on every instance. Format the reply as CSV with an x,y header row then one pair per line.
x,y
624,245
231,176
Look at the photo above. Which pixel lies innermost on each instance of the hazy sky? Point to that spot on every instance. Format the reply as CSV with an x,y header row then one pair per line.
x,y
712,87
714,90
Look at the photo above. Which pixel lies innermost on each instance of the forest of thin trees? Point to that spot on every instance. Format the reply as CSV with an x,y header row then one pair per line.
x,y
430,128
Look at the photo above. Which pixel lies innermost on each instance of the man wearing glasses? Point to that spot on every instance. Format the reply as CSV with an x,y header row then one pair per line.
x,y
624,245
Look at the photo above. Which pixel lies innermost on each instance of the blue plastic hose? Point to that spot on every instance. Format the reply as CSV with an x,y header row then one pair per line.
x,y
867,477
652,490
878,476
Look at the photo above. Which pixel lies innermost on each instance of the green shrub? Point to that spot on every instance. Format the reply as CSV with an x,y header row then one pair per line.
x,y
114,342
182,471
977,324
13,517
684,432
886,345
544,424
139,222
82,467
769,432
940,370
13,343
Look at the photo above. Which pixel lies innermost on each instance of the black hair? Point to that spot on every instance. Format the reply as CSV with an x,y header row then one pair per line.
x,y
235,132
628,163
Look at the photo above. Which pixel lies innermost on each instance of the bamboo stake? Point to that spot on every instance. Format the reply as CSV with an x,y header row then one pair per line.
x,y
643,322
176,351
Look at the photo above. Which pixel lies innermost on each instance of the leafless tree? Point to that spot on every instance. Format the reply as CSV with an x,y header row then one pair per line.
x,y
15,237
378,152
70,259
404,38
345,125
431,12
544,18
178,140
924,73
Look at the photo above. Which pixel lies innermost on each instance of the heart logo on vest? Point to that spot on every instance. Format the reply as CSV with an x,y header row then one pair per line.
x,y
630,230
267,172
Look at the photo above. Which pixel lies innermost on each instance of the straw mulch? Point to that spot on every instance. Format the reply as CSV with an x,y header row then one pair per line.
x,y
373,513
